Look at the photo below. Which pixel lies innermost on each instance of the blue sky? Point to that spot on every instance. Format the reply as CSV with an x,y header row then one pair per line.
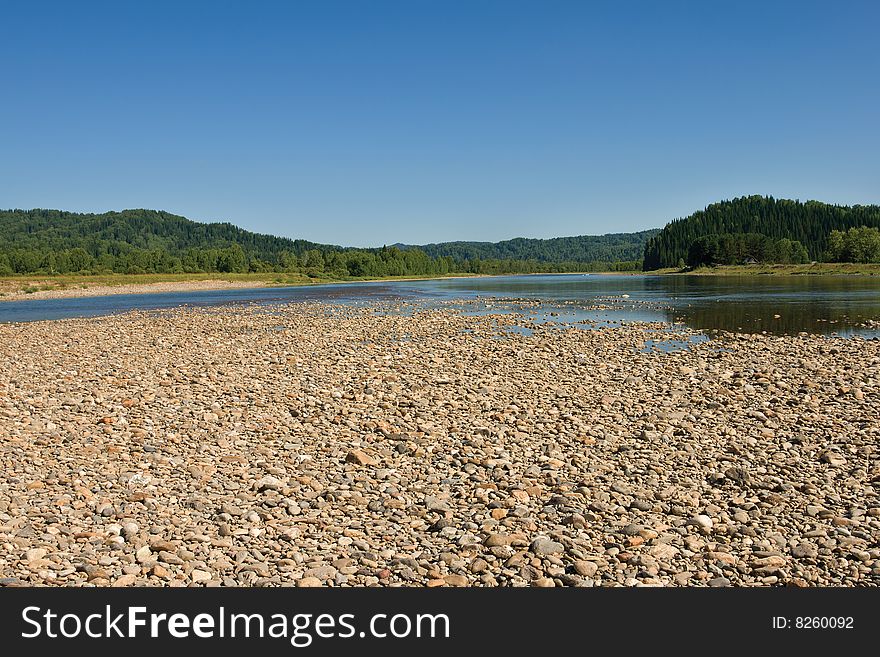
x,y
371,122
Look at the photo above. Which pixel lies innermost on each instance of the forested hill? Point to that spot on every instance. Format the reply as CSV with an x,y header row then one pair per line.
x,y
809,223
56,230
613,247
149,241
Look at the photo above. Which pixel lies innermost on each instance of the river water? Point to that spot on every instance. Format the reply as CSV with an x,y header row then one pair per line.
x,y
842,305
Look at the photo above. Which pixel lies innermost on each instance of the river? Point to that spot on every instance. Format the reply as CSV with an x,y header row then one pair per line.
x,y
781,305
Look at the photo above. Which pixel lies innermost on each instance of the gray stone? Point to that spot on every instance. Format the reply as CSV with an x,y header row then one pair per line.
x,y
544,546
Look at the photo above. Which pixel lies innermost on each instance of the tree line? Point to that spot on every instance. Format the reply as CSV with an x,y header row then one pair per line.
x,y
612,247
749,229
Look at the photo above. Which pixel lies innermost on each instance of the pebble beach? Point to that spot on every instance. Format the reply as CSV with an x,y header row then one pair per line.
x,y
314,444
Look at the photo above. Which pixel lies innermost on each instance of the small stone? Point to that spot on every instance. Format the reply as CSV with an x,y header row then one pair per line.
x,y
682,578
832,458
443,523
308,583
359,457
198,575
157,544
544,546
722,557
663,551
143,554
805,550
738,475
719,582
124,580
170,558
321,573
543,583
34,554
586,568
268,483
434,503
496,540
771,563
702,521
160,571
94,573
456,580
478,565
185,555
575,520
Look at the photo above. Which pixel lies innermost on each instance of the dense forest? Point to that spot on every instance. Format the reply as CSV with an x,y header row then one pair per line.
x,y
148,241
739,248
809,224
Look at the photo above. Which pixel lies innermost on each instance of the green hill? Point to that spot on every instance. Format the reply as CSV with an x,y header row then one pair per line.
x,y
739,225
56,230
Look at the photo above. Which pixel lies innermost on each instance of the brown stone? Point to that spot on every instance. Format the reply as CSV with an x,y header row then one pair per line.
x,y
359,457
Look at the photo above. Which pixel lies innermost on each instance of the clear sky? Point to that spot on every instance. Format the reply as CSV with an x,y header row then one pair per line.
x,y
368,122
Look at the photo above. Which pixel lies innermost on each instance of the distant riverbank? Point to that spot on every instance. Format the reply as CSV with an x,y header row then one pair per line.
x,y
68,286
816,269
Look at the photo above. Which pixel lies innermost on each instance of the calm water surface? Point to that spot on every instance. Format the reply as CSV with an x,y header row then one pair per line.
x,y
779,304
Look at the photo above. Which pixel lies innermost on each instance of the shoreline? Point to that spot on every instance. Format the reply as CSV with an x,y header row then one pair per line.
x,y
73,286
85,290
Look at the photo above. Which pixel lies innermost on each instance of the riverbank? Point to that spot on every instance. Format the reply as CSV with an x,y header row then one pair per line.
x,y
68,286
315,444
17,288
817,269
